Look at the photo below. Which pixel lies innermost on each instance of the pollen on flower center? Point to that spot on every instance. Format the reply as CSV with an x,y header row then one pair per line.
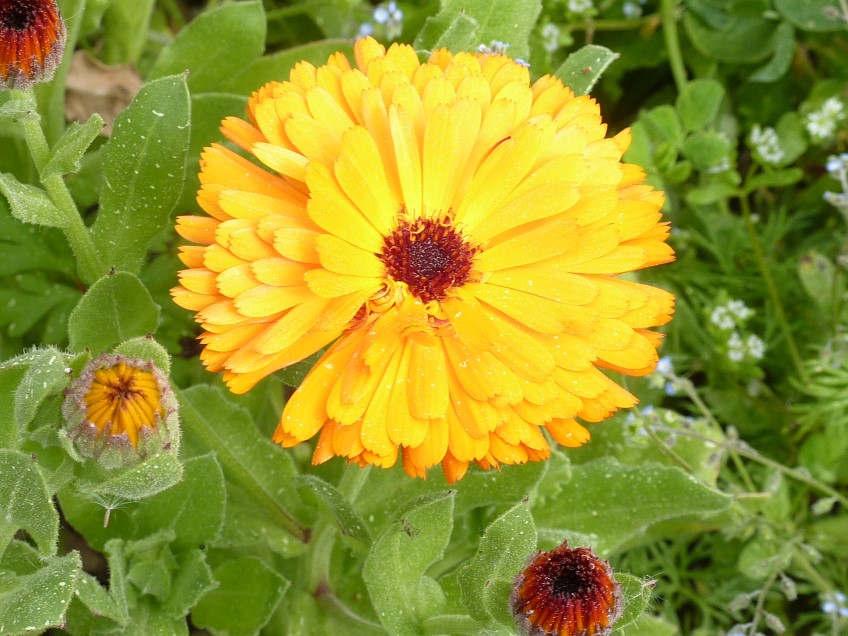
x,y
14,15
429,255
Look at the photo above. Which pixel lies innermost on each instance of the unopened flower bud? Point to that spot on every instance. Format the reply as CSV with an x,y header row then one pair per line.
x,y
120,411
32,40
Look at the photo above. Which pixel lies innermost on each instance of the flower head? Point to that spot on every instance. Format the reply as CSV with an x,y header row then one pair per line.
x,y
566,592
120,410
32,39
453,233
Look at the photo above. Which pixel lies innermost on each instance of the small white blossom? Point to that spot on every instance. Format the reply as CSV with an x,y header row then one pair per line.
x,y
739,309
756,347
822,124
550,37
721,166
580,6
631,10
735,347
767,144
722,318
665,366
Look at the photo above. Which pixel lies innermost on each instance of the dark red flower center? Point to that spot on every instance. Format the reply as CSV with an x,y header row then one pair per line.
x,y
568,593
429,255
18,15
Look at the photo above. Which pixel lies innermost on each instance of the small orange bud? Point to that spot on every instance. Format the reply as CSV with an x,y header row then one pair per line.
x,y
566,592
32,39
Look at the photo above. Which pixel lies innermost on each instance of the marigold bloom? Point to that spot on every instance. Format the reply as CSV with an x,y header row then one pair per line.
x,y
123,405
32,39
566,592
453,232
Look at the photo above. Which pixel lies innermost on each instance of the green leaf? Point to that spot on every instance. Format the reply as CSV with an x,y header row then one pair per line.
x,y
66,155
583,68
191,581
448,30
10,379
34,602
784,50
509,21
143,172
98,600
712,193
146,479
194,508
399,558
635,596
812,15
774,179
663,124
612,503
792,136
45,376
197,47
212,422
647,625
740,40
17,110
115,308
125,26
706,149
150,573
25,503
350,524
30,204
487,580
245,599
248,525
699,103
276,67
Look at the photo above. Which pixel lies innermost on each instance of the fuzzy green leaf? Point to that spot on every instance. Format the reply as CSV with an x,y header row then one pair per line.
x,y
486,581
194,508
98,600
247,595
740,40
30,204
191,581
198,46
509,21
115,308
45,376
584,68
350,524
36,601
449,30
68,152
10,379
635,596
780,62
613,503
25,503
395,567
143,172
812,15
148,478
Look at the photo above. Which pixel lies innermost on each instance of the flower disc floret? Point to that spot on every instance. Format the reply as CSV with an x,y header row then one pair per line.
x,y
32,40
452,233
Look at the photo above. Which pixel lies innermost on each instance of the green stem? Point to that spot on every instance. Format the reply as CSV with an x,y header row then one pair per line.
x,y
450,624
762,265
89,265
761,604
237,469
665,448
668,14
52,95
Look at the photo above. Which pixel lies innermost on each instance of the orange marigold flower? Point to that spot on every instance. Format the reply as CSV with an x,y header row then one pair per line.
x,y
566,592
120,410
32,39
453,232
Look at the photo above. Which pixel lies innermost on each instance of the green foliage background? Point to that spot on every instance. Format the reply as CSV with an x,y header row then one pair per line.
x,y
721,502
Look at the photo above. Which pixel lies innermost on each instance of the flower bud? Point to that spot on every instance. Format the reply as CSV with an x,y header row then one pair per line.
x,y
32,40
566,592
120,411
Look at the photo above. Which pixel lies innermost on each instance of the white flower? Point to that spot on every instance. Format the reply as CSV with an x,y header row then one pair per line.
x,y
767,144
735,347
821,124
550,37
756,347
580,6
739,309
722,319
